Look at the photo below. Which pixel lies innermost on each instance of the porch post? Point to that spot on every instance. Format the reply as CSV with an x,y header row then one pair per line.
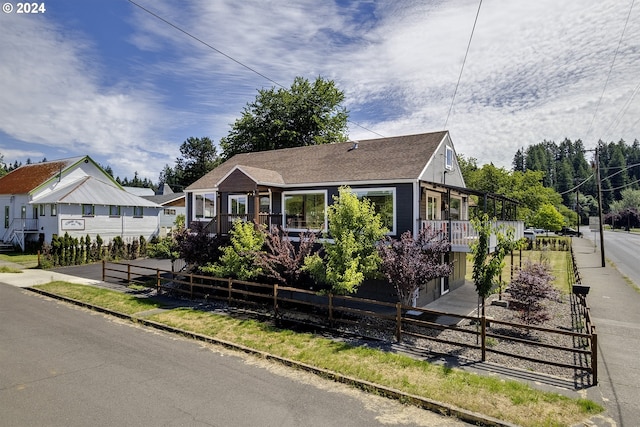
x,y
256,206
218,219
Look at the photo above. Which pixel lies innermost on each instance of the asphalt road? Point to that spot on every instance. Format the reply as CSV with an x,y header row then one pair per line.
x,y
65,366
622,249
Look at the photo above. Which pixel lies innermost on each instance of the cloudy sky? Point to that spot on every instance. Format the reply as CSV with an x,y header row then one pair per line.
x,y
111,80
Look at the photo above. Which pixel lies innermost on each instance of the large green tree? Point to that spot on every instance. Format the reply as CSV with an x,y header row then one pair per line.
x,y
525,187
309,113
547,217
199,156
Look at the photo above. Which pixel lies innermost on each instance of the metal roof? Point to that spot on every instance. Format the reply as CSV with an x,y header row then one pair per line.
x,y
28,177
91,191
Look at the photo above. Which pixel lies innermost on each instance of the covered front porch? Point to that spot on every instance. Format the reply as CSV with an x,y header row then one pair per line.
x,y
461,234
447,209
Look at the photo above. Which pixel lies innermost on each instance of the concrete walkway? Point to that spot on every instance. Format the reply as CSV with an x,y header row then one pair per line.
x,y
615,309
32,277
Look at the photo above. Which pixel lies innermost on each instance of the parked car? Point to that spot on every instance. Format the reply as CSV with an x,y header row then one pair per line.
x,y
568,231
530,234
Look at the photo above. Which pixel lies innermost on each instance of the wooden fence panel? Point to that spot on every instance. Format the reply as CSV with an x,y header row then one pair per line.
x,y
332,309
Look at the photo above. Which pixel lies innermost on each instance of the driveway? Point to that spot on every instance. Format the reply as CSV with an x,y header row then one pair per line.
x,y
94,271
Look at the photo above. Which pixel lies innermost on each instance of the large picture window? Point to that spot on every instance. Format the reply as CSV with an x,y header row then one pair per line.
x,y
204,206
305,211
384,203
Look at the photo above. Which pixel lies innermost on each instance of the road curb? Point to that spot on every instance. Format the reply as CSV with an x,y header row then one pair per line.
x,y
421,402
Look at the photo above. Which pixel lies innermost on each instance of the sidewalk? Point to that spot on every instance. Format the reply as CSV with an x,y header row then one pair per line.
x,y
32,277
615,309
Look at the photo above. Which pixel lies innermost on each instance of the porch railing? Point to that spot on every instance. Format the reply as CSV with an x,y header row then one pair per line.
x,y
462,233
227,220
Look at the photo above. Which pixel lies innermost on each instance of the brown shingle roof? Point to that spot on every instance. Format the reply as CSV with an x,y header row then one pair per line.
x,y
394,158
28,177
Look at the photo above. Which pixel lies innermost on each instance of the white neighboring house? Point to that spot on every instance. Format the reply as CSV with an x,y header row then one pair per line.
x,y
173,205
74,196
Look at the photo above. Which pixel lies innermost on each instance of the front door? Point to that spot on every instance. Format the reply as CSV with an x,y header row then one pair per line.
x,y
444,281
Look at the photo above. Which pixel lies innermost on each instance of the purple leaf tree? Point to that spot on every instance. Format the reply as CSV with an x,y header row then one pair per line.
x,y
529,289
408,263
283,260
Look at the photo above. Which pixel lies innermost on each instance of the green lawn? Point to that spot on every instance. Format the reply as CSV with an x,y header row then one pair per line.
x,y
27,261
559,261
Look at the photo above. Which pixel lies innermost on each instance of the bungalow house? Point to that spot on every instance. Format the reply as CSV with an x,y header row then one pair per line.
x,y
74,196
413,180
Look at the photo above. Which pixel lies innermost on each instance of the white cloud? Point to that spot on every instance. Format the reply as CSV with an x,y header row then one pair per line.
x,y
52,95
535,71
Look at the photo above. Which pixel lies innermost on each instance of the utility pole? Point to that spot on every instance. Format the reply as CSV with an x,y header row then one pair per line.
x,y
599,186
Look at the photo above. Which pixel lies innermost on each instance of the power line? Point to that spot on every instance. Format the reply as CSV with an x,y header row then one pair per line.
x,y
571,190
621,187
610,69
606,177
253,70
462,68
622,111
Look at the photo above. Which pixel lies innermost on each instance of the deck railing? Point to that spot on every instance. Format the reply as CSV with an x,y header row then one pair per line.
x,y
227,220
462,233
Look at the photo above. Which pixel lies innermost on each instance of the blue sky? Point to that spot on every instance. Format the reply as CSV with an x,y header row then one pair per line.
x,y
107,79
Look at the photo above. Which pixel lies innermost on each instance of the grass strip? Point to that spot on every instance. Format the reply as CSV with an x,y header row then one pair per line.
x,y
26,260
507,400
105,298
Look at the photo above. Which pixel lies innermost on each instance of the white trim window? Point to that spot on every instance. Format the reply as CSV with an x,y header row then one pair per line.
x,y
88,210
114,210
138,211
305,210
264,204
433,206
238,207
384,204
204,205
448,158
